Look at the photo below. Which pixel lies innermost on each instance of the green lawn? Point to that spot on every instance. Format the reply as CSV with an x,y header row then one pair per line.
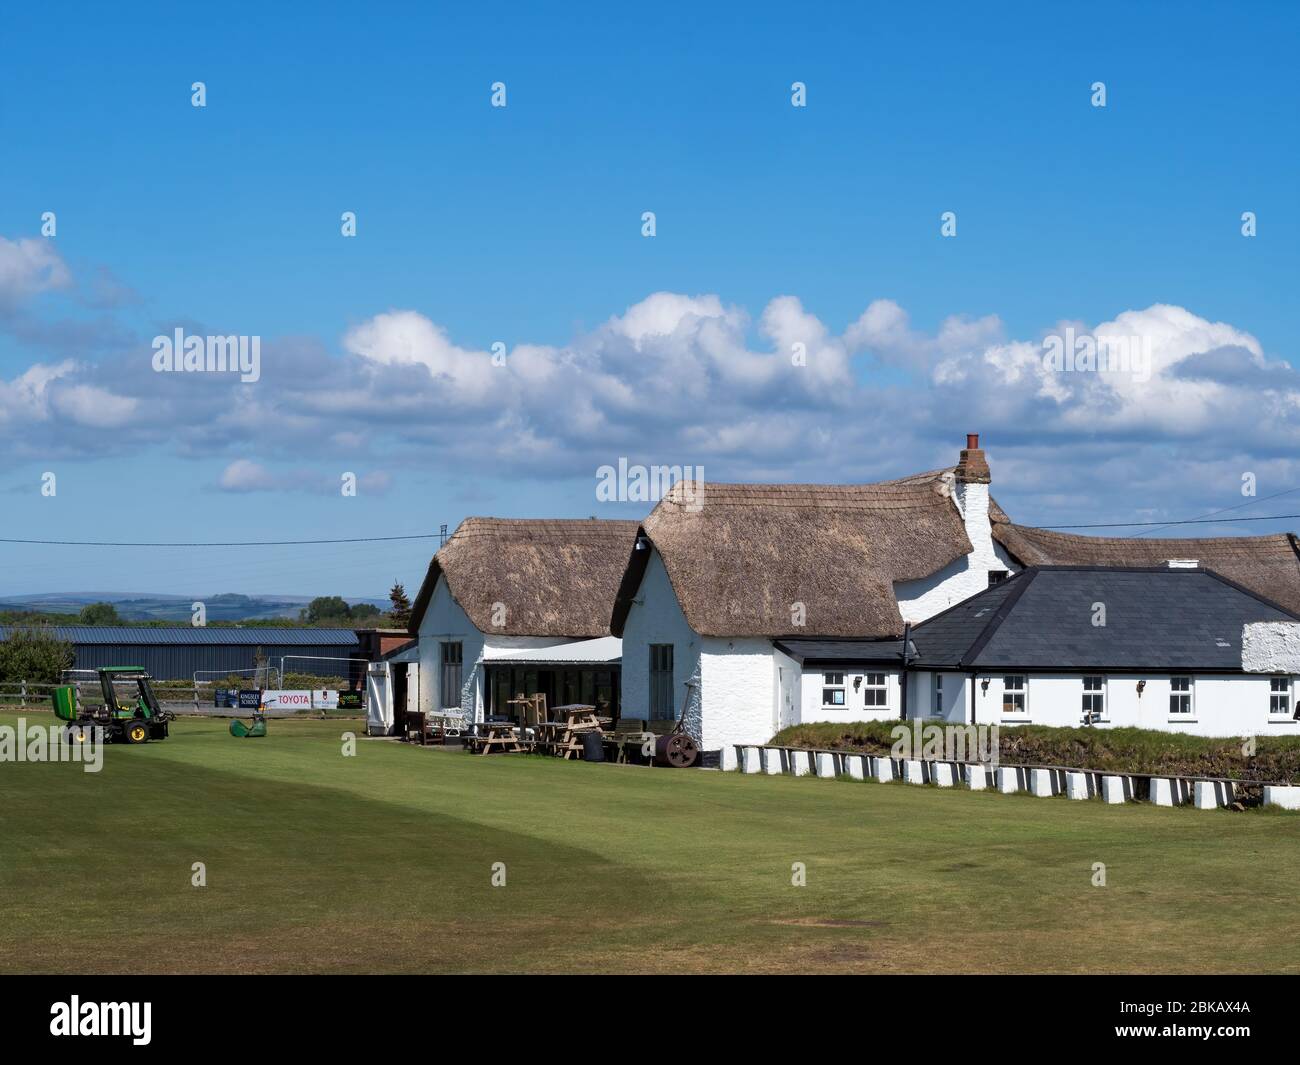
x,y
382,862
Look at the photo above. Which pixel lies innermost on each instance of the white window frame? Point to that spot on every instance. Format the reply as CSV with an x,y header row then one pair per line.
x,y
1180,693
870,685
830,683
1022,691
936,700
1094,695
1285,692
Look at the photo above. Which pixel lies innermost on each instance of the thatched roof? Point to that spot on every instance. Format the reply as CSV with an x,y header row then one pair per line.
x,y
740,563
1269,566
554,577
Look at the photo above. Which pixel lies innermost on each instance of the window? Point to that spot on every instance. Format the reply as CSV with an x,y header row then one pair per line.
x,y
661,681
936,707
874,692
1094,698
833,689
1279,696
1180,695
997,576
1013,694
451,672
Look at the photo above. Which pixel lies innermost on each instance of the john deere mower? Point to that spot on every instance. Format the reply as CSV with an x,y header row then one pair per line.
x,y
136,719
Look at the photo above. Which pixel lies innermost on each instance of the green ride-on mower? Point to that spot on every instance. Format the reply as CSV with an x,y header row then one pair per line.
x,y
137,719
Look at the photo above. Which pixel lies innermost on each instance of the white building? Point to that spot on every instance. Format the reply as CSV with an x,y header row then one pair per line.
x,y
771,605
513,607
1146,647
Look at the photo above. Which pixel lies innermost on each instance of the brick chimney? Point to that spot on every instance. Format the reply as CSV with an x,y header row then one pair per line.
x,y
973,467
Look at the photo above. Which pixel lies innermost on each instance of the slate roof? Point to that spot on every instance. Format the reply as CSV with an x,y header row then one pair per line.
x,y
845,652
1042,619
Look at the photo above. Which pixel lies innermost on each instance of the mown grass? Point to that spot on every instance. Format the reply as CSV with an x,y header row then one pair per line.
x,y
382,862
1120,750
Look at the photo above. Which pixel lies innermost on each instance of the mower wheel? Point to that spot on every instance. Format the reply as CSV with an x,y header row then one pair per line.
x,y
75,735
136,731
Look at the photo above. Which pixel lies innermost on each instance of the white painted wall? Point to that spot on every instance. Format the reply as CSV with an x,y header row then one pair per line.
x,y
740,691
964,577
656,617
446,621
855,709
1271,647
1222,705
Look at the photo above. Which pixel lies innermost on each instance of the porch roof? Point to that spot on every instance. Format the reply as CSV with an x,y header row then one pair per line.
x,y
603,650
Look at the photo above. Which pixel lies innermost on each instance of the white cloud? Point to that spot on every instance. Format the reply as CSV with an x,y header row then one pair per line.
x,y
28,266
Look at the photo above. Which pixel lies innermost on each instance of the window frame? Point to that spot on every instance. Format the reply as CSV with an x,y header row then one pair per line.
x,y
936,696
832,687
1020,692
1091,695
451,664
661,683
1286,695
868,685
1179,694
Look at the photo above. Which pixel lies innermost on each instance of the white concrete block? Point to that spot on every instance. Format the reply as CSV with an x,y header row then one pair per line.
x,y
1042,782
1163,792
883,768
800,763
943,773
1116,789
1287,798
773,762
976,777
1011,778
855,765
730,760
751,759
914,771
1079,785
1211,794
826,766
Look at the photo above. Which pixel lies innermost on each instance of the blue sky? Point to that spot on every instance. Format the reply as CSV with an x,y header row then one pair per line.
x,y
523,225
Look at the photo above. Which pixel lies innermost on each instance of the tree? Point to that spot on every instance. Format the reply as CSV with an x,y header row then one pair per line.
x,y
35,655
327,608
99,614
401,611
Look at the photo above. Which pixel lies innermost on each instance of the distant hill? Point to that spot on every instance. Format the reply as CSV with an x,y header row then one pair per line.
x,y
136,606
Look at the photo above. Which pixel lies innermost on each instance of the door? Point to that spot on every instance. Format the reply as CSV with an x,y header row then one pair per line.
x,y
413,686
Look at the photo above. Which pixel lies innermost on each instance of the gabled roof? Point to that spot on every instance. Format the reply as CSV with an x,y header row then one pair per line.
x,y
1267,565
553,577
1156,618
746,560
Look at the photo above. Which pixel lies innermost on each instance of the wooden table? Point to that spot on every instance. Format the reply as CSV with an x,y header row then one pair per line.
x,y
566,731
501,735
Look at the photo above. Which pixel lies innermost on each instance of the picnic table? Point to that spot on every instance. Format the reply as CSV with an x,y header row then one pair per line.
x,y
563,736
499,735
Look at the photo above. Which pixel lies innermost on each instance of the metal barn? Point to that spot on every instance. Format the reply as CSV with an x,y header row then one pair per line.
x,y
178,652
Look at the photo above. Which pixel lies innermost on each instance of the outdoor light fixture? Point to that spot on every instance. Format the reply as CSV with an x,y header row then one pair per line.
x,y
984,685
1141,687
857,683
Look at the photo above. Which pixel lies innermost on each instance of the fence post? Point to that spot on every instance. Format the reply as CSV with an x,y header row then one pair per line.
x,y
23,699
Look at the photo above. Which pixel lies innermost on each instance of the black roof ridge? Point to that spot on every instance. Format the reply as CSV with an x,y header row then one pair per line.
x,y
999,616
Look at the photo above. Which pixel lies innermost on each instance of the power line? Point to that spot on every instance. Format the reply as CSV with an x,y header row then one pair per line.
x,y
1167,524
1227,510
219,543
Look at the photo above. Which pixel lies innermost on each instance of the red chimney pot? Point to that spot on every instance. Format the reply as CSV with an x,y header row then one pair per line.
x,y
972,441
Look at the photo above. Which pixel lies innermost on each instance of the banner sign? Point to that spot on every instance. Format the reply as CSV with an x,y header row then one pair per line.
x,y
287,700
250,700
322,699
349,700
226,698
